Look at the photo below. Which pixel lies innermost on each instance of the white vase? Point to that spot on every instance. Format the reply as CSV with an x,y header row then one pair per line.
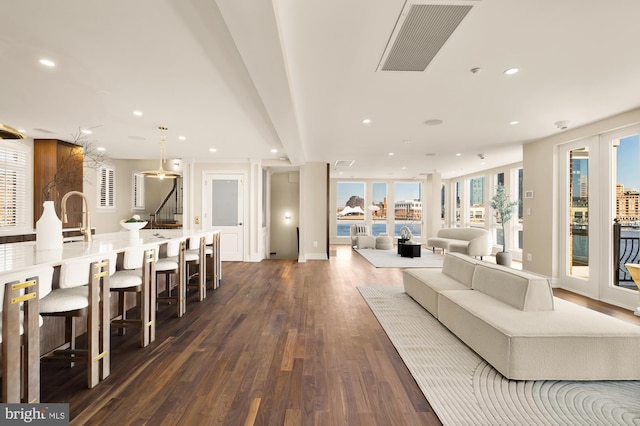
x,y
48,229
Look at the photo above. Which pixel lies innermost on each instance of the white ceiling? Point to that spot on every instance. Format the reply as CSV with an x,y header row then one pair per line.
x,y
249,76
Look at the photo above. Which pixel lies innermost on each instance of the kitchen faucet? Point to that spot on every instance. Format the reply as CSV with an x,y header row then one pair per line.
x,y
86,228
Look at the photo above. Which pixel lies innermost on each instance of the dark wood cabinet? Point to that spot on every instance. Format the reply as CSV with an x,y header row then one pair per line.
x,y
57,169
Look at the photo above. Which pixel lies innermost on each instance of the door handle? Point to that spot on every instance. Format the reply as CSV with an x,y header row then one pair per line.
x,y
239,223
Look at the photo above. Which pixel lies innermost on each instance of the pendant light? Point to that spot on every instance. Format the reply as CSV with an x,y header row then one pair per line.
x,y
161,173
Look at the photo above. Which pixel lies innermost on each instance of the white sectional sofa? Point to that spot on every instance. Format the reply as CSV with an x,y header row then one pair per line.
x,y
513,321
471,241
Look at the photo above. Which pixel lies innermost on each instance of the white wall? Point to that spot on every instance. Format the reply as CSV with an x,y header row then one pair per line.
x,y
313,211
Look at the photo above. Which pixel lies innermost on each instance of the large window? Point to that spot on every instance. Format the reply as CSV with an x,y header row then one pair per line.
x,y
476,202
443,210
13,181
378,208
458,195
408,207
349,205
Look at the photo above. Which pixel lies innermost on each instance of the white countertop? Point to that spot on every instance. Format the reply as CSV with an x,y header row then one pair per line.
x,y
19,256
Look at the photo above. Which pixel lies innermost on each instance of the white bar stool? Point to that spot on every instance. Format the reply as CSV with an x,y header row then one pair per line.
x,y
19,302
173,264
84,292
138,276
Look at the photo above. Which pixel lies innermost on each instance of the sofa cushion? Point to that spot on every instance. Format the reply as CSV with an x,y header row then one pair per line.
x,y
521,290
568,343
458,246
365,241
459,267
424,284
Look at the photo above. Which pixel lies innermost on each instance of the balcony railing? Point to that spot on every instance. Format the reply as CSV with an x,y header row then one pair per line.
x,y
626,250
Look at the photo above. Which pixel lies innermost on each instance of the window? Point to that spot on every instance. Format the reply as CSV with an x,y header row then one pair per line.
x,y
106,188
138,191
476,202
378,208
408,207
13,181
350,206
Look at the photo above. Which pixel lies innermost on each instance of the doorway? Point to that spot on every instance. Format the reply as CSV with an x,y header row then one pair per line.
x,y
224,201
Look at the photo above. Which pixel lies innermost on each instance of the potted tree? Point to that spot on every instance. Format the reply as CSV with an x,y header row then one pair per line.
x,y
503,208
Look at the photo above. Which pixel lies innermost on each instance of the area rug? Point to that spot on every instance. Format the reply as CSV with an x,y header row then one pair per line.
x,y
391,259
464,390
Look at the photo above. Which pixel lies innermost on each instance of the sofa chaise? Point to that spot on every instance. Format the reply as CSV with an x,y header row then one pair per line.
x,y
512,320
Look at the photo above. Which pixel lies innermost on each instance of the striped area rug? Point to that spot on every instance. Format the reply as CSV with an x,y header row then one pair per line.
x,y
464,390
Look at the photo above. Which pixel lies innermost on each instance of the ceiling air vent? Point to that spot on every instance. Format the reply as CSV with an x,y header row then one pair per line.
x,y
419,34
343,163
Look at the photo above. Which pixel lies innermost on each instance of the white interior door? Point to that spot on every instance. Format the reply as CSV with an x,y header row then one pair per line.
x,y
225,212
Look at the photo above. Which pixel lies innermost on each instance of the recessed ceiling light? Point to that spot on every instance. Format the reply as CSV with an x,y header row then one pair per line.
x,y
273,151
404,168
366,121
511,71
434,122
101,148
458,154
212,150
391,153
182,138
86,131
47,63
514,122
137,113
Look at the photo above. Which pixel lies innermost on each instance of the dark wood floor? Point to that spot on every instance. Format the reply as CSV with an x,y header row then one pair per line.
x,y
279,342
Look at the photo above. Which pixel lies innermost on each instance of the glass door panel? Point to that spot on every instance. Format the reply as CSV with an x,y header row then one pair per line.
x,y
579,213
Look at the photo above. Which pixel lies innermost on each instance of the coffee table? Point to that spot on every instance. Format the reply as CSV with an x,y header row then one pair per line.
x,y
410,249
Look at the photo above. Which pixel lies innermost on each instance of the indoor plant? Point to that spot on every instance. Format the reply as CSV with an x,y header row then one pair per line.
x,y
503,208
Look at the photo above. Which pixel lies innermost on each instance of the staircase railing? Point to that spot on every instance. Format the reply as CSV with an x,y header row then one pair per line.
x,y
169,212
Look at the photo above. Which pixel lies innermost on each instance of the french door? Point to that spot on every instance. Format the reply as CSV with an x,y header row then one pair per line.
x,y
580,220
224,201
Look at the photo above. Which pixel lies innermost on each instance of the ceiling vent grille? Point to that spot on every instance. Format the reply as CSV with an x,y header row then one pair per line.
x,y
343,163
419,35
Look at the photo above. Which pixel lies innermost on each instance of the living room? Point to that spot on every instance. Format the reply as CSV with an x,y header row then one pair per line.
x,y
517,92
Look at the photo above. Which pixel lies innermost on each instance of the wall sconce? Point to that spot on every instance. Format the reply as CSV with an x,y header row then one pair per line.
x,y
287,217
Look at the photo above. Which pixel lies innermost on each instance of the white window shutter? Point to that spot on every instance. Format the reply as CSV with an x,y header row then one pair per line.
x,y
13,180
138,191
106,187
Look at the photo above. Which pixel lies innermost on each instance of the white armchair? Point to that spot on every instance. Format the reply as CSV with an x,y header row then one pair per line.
x,y
356,230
